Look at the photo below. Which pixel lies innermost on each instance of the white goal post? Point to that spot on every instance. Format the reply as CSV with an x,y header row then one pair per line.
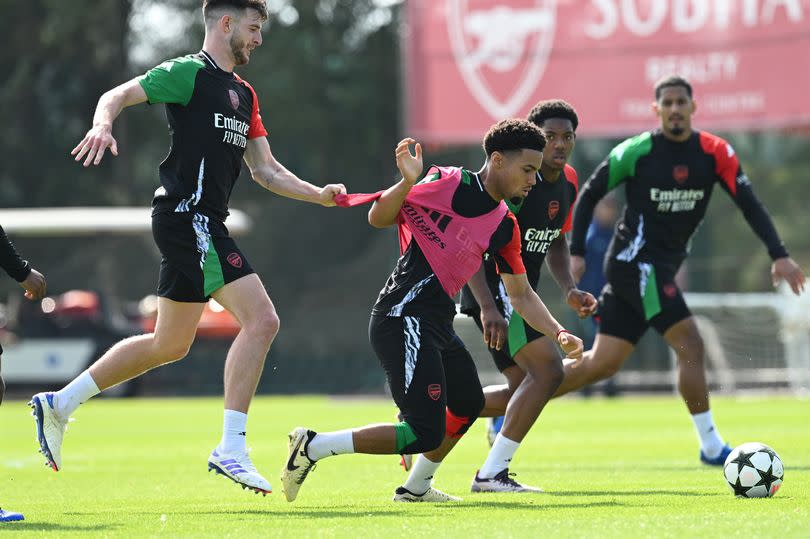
x,y
753,341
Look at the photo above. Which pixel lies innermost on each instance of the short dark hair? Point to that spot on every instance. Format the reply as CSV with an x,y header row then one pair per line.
x,y
211,5
553,108
671,81
513,135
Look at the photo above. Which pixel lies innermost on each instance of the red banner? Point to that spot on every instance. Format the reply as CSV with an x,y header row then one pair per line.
x,y
470,63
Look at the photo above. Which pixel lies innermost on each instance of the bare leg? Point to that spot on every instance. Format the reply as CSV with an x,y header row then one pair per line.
x,y
497,397
541,362
687,343
600,362
174,333
380,439
247,300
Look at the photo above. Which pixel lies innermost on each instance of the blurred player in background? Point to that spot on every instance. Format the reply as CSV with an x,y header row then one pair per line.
x,y
215,123
447,222
34,285
668,175
597,241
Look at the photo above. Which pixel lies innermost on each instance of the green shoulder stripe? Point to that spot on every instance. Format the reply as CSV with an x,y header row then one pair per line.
x,y
172,81
623,158
431,177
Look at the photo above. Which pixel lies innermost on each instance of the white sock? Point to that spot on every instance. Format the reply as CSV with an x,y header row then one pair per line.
x,y
234,428
499,457
326,444
711,443
421,475
81,389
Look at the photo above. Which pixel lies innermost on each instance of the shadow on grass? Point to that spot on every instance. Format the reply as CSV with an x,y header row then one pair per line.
x,y
579,493
32,527
288,512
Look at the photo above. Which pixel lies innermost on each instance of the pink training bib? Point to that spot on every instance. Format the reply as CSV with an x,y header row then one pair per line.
x,y
453,245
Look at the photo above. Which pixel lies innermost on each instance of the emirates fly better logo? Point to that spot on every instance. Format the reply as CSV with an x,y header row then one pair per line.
x,y
497,43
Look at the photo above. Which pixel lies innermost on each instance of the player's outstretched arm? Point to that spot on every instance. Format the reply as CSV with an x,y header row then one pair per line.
x,y
559,262
385,210
533,310
270,174
99,137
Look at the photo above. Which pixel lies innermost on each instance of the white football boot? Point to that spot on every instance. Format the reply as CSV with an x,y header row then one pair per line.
x,y
298,463
239,469
502,482
51,428
431,496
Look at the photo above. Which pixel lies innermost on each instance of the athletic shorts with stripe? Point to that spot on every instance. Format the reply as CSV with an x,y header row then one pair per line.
x,y
639,295
428,368
198,256
519,335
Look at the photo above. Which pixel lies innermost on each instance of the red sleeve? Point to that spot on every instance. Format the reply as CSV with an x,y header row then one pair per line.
x,y
727,165
572,178
257,128
508,258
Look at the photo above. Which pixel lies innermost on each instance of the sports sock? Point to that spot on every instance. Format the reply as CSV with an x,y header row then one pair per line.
x,y
234,429
500,455
710,441
326,444
81,389
421,475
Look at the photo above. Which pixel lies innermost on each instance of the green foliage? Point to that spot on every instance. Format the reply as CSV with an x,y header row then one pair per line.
x,y
328,80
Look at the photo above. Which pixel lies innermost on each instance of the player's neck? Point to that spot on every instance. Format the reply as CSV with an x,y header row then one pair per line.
x,y
681,137
220,54
550,175
486,181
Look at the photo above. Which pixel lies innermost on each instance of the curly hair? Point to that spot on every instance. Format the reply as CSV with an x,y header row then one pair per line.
x,y
670,82
513,135
553,108
258,5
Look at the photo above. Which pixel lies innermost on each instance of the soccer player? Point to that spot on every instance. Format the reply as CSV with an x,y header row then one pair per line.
x,y
668,176
544,217
531,363
215,123
446,223
33,282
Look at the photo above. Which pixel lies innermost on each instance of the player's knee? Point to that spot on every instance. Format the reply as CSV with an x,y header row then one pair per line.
x,y
607,369
691,350
431,439
420,435
264,323
2,389
174,351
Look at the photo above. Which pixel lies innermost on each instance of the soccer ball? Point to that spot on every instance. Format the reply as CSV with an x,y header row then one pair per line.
x,y
753,470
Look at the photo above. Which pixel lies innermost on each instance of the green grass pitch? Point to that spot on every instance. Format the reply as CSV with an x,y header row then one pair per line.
x,y
611,468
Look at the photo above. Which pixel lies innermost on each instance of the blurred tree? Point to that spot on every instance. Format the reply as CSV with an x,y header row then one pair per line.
x,y
328,81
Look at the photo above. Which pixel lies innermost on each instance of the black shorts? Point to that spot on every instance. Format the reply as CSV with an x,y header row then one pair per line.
x,y
519,335
640,295
198,256
427,367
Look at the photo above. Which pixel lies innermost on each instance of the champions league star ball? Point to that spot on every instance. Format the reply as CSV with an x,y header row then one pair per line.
x,y
753,470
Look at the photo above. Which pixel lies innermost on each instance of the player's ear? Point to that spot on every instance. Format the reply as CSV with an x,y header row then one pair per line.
x,y
694,105
226,23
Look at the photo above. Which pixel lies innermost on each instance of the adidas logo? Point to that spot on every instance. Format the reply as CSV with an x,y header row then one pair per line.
x,y
439,218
